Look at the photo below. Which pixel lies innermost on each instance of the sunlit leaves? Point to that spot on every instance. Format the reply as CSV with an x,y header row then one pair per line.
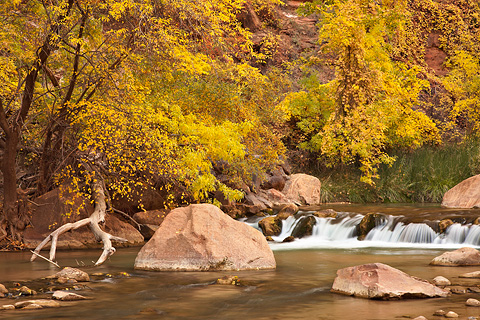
x,y
367,108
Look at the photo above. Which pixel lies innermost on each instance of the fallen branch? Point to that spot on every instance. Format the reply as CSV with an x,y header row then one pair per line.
x,y
97,217
52,262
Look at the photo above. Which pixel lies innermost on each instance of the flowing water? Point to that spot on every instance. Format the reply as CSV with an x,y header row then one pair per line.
x,y
298,289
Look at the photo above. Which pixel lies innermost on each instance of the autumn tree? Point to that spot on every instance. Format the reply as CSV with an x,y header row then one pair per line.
x,y
112,97
369,106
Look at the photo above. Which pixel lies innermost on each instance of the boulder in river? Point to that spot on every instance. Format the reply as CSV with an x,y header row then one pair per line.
x,y
303,189
71,273
466,194
3,290
380,281
67,296
201,237
369,221
461,257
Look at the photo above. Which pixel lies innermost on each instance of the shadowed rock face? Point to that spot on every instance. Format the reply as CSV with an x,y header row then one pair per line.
x,y
466,194
380,281
201,237
460,257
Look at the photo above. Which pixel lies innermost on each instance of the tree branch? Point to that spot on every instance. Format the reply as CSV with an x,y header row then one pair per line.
x,y
97,217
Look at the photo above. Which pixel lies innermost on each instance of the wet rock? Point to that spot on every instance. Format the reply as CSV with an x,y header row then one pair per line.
x,y
303,189
67,296
25,291
466,194
287,210
7,307
440,313
32,306
472,318
304,227
380,281
461,257
71,273
369,221
328,213
63,280
441,281
229,280
444,224
201,237
474,274
44,303
451,314
472,302
458,290
271,226
289,239
3,290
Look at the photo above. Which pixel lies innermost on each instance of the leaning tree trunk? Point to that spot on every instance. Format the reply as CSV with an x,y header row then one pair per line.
x,y
97,217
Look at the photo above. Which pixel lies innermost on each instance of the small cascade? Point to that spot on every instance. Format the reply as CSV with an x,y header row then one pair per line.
x,y
389,231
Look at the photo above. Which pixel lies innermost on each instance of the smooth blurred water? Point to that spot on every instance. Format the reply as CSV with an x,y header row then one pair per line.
x,y
298,289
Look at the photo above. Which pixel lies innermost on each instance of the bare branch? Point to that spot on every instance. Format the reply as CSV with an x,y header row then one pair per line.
x,y
93,222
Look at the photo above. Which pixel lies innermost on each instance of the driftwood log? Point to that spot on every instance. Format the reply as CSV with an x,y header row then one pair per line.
x,y
97,217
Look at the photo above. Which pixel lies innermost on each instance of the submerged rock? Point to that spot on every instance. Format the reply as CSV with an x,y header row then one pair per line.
x,y
451,314
474,274
303,189
380,281
67,296
466,194
3,290
461,257
472,302
43,303
71,274
201,237
441,281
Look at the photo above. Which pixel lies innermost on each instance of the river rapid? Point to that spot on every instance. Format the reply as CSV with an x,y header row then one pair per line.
x,y
298,289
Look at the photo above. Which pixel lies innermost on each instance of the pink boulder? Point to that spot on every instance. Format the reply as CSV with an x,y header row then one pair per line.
x,y
380,281
461,257
201,237
302,189
466,194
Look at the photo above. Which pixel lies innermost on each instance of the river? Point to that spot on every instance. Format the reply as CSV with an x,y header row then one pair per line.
x,y
298,289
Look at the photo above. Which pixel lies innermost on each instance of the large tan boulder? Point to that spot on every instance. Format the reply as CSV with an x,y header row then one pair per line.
x,y
302,189
466,194
380,281
59,207
461,257
201,237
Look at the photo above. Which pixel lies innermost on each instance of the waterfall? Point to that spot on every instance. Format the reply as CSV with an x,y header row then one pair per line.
x,y
390,231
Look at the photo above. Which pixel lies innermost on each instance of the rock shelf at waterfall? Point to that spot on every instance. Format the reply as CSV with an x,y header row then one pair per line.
x,y
344,231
